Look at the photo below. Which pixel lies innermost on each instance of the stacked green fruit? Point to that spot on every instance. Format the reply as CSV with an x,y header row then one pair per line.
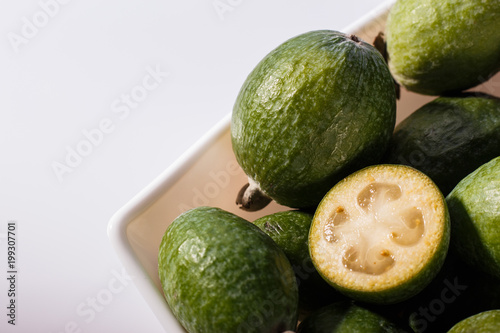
x,y
398,228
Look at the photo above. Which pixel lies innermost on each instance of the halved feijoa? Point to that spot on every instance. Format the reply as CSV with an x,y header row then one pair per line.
x,y
220,273
475,217
381,234
315,109
484,322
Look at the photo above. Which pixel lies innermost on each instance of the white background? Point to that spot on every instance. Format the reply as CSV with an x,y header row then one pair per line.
x,y
73,151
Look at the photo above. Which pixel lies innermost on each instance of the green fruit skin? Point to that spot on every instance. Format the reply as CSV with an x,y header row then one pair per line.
x,y
290,230
346,317
448,138
474,206
484,322
220,273
436,47
313,110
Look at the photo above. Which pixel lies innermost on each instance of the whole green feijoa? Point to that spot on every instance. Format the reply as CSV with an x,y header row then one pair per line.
x,y
448,138
346,317
484,322
220,273
436,47
290,230
474,206
316,108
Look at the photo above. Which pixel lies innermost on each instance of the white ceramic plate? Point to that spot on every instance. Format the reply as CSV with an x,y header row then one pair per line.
x,y
207,174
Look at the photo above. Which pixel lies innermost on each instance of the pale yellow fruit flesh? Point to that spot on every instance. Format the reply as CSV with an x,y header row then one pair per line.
x,y
378,229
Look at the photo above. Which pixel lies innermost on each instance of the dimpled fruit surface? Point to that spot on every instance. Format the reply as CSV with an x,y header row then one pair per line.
x,y
346,317
475,214
289,229
220,273
448,138
484,322
436,47
316,108
381,234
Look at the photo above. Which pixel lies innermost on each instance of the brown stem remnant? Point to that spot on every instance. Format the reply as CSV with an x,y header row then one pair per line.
x,y
251,199
380,44
354,38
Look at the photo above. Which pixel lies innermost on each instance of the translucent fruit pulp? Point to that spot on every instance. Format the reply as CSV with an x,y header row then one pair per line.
x,y
380,214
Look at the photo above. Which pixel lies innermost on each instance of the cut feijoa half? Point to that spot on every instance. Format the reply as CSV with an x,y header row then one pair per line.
x,y
381,234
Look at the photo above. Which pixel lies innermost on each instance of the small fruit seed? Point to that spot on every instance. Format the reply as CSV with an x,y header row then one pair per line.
x,y
385,253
